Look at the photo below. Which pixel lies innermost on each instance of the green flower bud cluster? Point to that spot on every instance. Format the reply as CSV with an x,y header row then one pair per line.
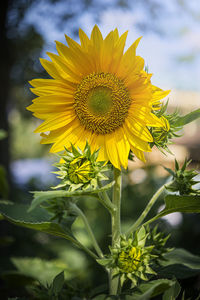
x,y
59,209
130,259
80,169
183,180
162,136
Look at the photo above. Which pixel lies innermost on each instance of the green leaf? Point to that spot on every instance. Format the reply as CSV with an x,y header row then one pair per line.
x,y
151,289
179,263
181,121
58,283
177,270
37,219
181,256
174,203
173,292
187,204
141,236
40,197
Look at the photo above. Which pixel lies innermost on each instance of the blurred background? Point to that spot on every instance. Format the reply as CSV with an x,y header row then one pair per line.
x,y
171,48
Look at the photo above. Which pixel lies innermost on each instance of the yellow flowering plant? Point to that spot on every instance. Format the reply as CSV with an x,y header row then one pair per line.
x,y
98,107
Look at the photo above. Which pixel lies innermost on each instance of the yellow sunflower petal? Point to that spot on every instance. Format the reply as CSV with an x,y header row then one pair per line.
x,y
138,129
111,149
85,41
55,122
50,68
44,107
107,52
129,55
117,56
52,136
96,37
63,69
145,117
75,58
55,99
136,141
115,35
70,135
138,153
86,136
122,146
42,83
159,93
43,116
96,49
98,142
51,90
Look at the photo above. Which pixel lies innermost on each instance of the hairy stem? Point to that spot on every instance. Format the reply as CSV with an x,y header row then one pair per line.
x,y
88,251
80,213
147,209
105,200
116,224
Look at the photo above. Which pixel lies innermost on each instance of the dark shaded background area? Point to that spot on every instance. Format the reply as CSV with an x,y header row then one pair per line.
x,y
22,43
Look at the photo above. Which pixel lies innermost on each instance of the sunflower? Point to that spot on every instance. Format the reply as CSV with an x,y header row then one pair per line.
x,y
97,93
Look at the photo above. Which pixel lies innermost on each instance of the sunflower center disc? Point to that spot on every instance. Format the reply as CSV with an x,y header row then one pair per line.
x,y
128,260
101,102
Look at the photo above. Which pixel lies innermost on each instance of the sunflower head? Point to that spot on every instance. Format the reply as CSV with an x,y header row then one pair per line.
x,y
80,169
99,93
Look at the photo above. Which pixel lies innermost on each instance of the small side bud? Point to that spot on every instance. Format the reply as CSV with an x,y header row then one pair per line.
x,y
80,169
183,180
162,136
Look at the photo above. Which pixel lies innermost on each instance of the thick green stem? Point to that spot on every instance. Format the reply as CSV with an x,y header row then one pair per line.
x,y
147,209
79,245
88,251
116,224
80,213
116,216
105,200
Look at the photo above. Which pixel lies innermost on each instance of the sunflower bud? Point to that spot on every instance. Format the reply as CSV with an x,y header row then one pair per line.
x,y
131,259
158,239
162,136
183,180
80,169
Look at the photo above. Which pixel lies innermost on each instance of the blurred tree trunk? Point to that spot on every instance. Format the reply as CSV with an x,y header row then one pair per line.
x,y
4,83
